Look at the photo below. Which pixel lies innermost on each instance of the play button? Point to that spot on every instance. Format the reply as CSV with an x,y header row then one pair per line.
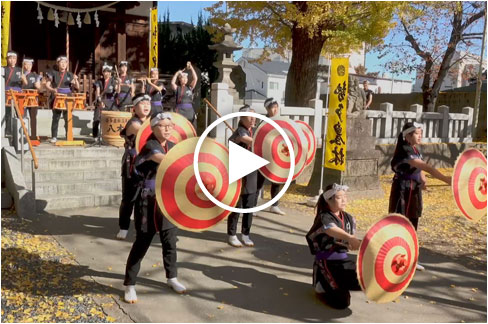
x,y
242,162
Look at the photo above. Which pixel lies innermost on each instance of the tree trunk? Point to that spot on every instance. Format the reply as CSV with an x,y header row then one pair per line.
x,y
301,82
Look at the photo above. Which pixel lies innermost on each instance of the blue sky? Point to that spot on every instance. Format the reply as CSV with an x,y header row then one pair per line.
x,y
188,10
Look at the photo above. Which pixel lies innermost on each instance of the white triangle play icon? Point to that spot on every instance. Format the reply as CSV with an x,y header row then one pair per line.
x,y
242,162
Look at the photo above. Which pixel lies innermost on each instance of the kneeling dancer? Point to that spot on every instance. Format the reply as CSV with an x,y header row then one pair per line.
x,y
329,239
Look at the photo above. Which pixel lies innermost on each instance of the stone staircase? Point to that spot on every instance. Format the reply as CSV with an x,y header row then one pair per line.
x,y
75,177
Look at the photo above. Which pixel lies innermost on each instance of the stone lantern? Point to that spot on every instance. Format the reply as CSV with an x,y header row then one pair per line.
x,y
225,60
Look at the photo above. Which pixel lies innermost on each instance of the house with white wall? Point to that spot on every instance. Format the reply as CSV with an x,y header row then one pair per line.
x,y
466,66
268,79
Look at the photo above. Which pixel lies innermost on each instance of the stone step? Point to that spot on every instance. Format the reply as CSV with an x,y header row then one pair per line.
x,y
75,163
7,200
73,174
77,152
65,187
80,200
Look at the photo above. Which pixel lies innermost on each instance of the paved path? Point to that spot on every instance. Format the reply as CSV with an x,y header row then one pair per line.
x,y
267,283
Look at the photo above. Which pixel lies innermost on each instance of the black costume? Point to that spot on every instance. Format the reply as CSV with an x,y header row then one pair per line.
x,y
129,183
124,97
249,190
13,79
406,191
32,79
156,97
148,217
332,267
61,81
184,102
107,97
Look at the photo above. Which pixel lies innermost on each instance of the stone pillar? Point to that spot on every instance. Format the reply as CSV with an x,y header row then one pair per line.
x,y
223,101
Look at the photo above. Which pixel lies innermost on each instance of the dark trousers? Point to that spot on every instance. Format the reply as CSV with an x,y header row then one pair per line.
x,y
96,121
141,245
33,122
337,277
129,189
55,122
406,199
275,188
245,201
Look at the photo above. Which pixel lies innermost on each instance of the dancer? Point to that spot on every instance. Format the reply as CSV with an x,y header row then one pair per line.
x,y
331,236
148,218
13,74
142,110
409,180
272,109
243,137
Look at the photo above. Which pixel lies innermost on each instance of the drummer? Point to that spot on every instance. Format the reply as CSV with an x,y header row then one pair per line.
x,y
154,87
272,109
184,92
142,109
125,90
329,239
60,81
105,88
242,136
13,73
31,81
409,179
147,216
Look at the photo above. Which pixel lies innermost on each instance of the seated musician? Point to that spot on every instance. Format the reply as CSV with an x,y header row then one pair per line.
x,y
31,81
12,73
105,88
61,81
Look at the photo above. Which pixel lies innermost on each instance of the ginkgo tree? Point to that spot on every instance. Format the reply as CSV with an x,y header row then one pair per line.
x,y
309,29
426,38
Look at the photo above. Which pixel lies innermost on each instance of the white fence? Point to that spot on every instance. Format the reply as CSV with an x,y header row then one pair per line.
x,y
386,123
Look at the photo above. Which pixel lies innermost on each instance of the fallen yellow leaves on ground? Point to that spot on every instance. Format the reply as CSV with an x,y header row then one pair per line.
x,y
442,228
41,281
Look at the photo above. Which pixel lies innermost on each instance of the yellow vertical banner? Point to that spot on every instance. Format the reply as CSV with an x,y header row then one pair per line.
x,y
153,39
5,30
335,149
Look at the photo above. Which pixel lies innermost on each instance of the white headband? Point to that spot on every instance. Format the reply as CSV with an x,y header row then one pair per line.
x,y
412,129
106,67
159,117
184,74
335,188
141,98
154,69
28,61
61,58
11,54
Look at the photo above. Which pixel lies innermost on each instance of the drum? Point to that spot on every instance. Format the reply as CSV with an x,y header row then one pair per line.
x,y
80,99
31,98
59,101
113,122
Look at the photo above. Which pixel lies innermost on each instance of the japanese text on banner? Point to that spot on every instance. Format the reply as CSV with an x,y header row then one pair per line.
x,y
153,39
5,30
335,149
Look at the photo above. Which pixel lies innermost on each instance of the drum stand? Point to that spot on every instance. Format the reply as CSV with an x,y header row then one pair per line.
x,y
69,132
